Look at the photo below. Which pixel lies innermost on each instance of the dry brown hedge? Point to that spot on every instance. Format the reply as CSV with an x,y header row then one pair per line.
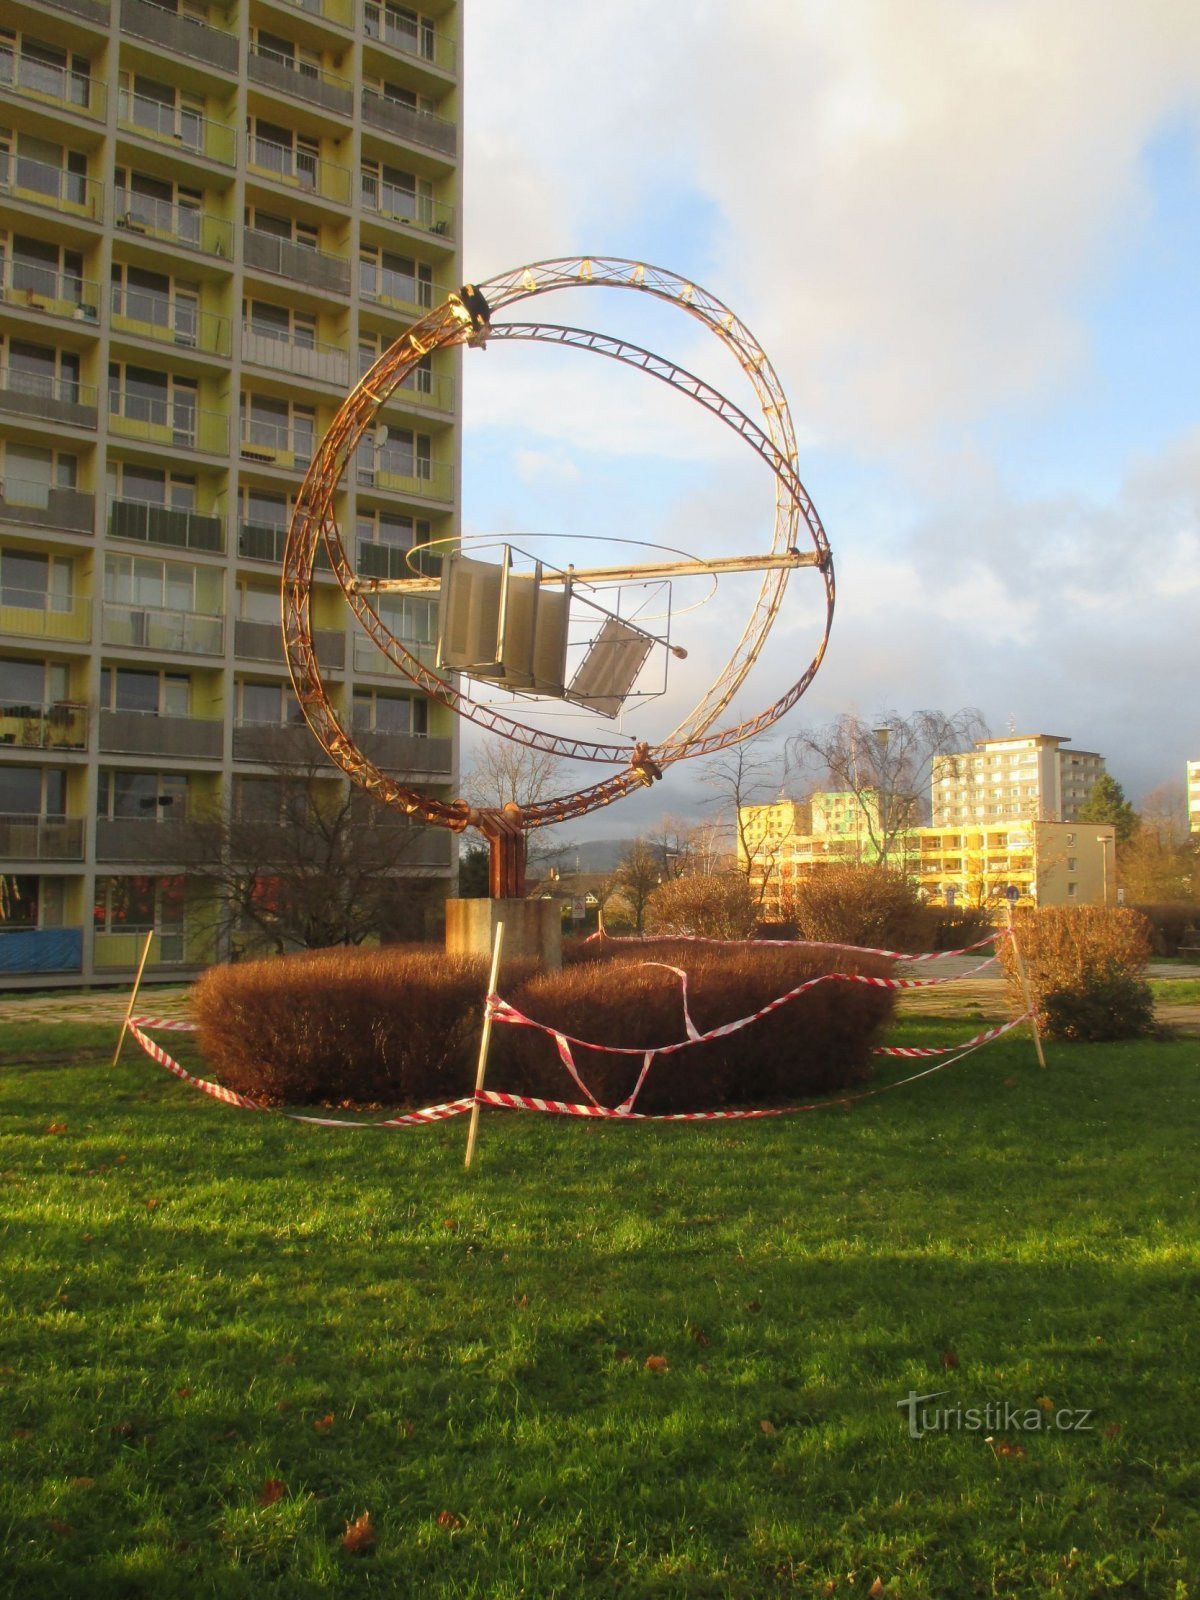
x,y
1084,965
400,1026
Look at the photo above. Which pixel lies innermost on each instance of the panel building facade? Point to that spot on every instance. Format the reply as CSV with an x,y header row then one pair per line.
x,y
213,219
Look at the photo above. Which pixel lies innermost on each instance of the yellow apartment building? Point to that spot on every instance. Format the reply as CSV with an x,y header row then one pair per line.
x,y
1026,776
1193,795
1046,863
213,218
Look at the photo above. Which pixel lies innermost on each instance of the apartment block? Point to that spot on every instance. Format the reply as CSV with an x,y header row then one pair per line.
x,y
1046,863
213,219
1193,795
1033,777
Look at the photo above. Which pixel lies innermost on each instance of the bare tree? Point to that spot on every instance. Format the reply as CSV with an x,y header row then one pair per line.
x,y
887,765
308,860
743,777
638,875
504,773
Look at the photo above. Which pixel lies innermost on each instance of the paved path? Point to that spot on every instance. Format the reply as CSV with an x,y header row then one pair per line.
x,y
101,1006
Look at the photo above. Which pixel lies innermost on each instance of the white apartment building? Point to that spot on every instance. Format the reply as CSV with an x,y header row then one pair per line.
x,y
1021,777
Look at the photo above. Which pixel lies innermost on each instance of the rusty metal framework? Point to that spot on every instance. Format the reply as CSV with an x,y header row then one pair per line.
x,y
465,318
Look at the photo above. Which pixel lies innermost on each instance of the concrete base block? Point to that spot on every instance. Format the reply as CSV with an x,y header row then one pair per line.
x,y
531,928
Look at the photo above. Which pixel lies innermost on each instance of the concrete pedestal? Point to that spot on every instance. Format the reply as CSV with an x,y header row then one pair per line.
x,y
531,928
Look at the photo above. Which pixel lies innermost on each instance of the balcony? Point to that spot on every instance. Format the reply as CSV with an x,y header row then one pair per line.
x,y
150,840
41,949
399,205
339,12
41,184
31,504
416,39
188,226
62,725
424,391
187,633
276,746
179,127
311,84
175,322
140,733
264,541
43,82
164,525
48,398
323,362
175,424
118,951
369,658
263,641
410,124
32,287
300,169
274,444
407,295
431,480
408,753
183,35
33,614
41,838
298,263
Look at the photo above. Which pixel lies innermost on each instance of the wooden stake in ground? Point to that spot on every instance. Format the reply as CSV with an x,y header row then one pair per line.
x,y
137,983
1023,976
485,1040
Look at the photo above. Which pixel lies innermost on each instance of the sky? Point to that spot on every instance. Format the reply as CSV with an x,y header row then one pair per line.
x,y
966,234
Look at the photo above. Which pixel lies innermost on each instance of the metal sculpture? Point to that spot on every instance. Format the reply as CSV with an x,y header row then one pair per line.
x,y
466,318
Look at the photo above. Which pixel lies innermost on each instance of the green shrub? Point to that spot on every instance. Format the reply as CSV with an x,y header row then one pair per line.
x,y
1084,965
847,904
817,1043
716,907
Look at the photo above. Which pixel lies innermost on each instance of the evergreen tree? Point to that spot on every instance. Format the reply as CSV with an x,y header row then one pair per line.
x,y
1107,803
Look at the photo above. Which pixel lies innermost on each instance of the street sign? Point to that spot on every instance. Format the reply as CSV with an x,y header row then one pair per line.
x,y
1012,893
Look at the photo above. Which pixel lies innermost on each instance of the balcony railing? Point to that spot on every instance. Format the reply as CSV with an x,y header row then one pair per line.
x,y
174,322
93,11
275,444
34,614
178,126
264,541
298,263
41,838
300,80
62,725
48,397
409,123
168,422
263,641
428,480
37,505
165,525
433,391
324,362
140,733
33,287
369,658
340,12
188,633
273,743
183,225
41,949
115,951
41,184
415,38
300,169
183,34
401,205
41,80
407,752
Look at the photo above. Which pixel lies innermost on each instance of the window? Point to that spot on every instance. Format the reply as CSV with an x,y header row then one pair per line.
x,y
278,426
386,276
399,453
29,474
389,713
146,204
162,109
143,796
387,527
156,694
409,618
50,169
396,193
256,604
40,369
34,582
269,705
264,508
46,270
30,685
283,151
280,323
156,300
144,581
153,486
1071,890
43,69
159,399
137,904
33,792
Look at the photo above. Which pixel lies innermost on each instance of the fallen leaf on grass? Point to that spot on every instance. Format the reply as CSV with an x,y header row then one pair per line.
x,y
22,1433
359,1534
1010,1083
409,1428
451,1223
1045,1402
151,1205
700,1337
657,1364
876,1590
63,1529
323,1424
183,1391
272,1491
754,1306
1112,1430
56,1127
447,1519
949,1358
1004,1448
283,1405
82,1483
768,1427
121,1160
122,1430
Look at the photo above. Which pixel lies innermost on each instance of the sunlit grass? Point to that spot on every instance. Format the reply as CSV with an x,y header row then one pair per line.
x,y
202,1302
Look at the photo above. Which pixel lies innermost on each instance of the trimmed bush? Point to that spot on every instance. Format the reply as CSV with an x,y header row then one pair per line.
x,y
398,1025
846,904
1084,965
716,907
1170,922
609,992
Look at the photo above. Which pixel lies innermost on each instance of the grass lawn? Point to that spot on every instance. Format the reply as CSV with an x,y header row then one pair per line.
x,y
224,1337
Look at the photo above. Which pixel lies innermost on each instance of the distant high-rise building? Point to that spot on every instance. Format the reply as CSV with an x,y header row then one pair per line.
x,y
1019,777
213,219
1193,795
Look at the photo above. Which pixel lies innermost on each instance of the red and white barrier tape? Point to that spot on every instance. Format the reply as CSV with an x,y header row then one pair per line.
x,y
411,1119
164,1023
916,1053
800,944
